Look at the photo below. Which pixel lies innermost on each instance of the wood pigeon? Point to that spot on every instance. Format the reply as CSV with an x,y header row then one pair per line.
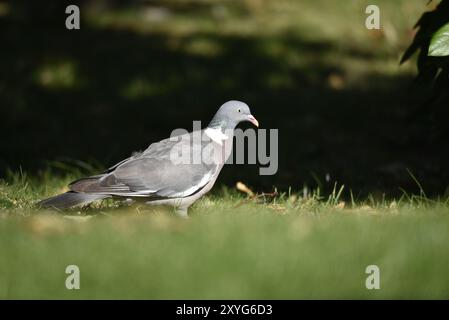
x,y
176,171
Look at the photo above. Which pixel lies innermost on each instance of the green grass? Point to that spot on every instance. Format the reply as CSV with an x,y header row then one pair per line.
x,y
288,247
308,68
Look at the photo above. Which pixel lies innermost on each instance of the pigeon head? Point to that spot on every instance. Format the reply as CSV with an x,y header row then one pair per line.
x,y
231,114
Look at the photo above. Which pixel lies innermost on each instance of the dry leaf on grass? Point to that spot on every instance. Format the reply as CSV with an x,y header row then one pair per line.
x,y
341,205
278,208
243,188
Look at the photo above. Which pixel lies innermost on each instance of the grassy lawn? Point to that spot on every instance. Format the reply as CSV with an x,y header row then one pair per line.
x,y
133,73
289,247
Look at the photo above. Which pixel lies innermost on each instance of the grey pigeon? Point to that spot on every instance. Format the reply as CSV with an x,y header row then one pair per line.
x,y
176,171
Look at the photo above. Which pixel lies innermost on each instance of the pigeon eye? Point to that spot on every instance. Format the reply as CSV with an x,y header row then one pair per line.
x,y
239,110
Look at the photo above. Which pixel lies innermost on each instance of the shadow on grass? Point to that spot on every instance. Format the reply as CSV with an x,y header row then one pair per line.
x,y
99,93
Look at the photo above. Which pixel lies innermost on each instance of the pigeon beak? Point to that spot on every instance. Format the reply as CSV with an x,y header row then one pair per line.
x,y
253,120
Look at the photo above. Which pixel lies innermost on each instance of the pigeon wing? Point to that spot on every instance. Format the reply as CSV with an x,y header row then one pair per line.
x,y
156,173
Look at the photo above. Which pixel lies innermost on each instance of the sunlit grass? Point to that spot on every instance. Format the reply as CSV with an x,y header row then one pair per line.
x,y
341,26
291,245
299,243
58,75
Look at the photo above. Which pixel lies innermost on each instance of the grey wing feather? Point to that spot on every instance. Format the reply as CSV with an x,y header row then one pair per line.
x,y
152,173
70,199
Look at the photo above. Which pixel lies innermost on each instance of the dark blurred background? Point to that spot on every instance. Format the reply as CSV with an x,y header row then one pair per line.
x,y
344,107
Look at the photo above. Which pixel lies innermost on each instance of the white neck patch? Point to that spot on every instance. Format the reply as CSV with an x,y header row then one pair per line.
x,y
216,135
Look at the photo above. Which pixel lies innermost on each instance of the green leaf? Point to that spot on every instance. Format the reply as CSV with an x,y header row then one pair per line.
x,y
439,45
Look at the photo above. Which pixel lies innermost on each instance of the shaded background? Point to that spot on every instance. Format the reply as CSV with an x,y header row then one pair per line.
x,y
335,90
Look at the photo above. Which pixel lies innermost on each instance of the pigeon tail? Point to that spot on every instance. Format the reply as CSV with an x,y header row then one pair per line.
x,y
70,199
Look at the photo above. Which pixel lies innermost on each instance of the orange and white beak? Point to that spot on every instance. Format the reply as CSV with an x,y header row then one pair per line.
x,y
253,120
